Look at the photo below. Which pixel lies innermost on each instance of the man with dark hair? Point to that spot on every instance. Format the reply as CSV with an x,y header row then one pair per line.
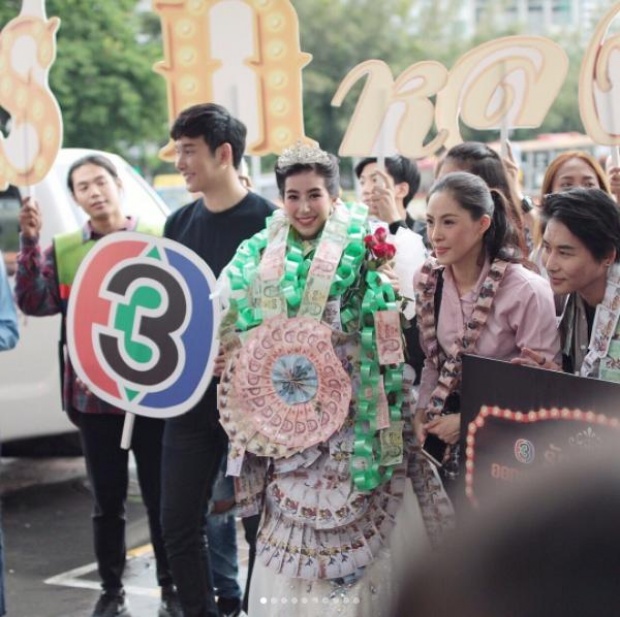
x,y
387,193
406,179
43,286
209,145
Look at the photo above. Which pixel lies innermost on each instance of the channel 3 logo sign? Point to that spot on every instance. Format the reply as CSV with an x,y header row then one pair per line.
x,y
141,326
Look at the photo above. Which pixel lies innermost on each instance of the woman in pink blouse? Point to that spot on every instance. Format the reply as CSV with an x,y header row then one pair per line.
x,y
473,296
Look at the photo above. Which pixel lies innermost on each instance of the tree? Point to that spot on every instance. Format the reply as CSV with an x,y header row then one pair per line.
x,y
102,78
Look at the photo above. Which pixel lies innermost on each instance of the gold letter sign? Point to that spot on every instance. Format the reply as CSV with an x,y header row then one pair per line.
x,y
599,84
510,81
27,51
208,64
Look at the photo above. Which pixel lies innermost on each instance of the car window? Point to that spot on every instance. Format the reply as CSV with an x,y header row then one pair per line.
x,y
9,226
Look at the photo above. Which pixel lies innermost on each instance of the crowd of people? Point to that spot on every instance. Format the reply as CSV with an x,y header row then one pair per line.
x,y
333,418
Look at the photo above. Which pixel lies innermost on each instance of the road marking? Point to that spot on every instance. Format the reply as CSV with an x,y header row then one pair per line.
x,y
73,578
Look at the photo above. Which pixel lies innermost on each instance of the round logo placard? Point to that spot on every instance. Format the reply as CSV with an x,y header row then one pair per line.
x,y
141,326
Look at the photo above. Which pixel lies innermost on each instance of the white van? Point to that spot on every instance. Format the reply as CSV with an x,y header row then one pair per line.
x,y
30,400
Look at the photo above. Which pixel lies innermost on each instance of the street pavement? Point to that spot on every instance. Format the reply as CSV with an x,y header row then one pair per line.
x,y
49,564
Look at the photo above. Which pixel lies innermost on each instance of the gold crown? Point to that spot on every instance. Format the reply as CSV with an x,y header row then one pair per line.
x,y
304,154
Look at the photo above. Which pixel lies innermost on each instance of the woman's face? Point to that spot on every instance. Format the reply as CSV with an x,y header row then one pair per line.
x,y
454,234
307,203
570,264
573,173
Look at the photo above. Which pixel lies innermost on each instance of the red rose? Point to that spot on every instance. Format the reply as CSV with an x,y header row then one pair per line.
x,y
370,241
390,251
381,234
380,251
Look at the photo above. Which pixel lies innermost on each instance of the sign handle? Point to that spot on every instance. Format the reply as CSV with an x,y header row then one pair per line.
x,y
382,100
130,419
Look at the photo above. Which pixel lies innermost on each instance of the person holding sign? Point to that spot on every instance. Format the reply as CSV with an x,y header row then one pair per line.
x,y
581,253
404,183
472,296
42,287
209,145
387,193
313,401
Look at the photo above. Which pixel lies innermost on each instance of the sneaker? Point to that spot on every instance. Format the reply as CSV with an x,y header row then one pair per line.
x,y
170,605
111,603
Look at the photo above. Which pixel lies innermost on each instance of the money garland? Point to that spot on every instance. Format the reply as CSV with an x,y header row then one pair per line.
x,y
305,284
602,356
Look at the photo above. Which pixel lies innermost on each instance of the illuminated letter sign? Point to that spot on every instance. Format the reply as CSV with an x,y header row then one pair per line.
x,y
27,51
261,84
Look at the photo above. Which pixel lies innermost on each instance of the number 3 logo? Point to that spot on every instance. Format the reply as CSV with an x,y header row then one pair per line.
x,y
141,327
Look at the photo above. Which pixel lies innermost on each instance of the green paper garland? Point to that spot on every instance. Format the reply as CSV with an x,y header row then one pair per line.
x,y
366,471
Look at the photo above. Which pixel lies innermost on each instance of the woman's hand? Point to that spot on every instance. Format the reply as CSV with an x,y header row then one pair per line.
x,y
614,181
532,358
447,428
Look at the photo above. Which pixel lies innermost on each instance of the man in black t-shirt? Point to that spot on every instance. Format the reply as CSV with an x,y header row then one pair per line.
x,y
209,144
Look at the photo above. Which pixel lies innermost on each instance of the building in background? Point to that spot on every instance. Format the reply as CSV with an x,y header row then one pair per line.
x,y
539,17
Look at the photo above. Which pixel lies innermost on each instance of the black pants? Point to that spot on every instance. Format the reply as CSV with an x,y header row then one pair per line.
x,y
108,474
194,444
250,527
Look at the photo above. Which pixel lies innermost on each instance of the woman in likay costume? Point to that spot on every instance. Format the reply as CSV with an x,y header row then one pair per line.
x,y
313,400
473,296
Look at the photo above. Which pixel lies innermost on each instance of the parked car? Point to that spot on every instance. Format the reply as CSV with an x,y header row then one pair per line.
x,y
30,401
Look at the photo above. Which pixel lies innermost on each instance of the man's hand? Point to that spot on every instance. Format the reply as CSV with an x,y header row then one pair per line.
x,y
447,428
30,221
534,359
382,202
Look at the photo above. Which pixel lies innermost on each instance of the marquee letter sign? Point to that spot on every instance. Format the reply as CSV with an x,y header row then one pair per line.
x,y
203,64
27,51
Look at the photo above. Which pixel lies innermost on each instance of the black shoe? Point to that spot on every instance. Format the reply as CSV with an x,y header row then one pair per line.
x,y
229,607
170,605
111,603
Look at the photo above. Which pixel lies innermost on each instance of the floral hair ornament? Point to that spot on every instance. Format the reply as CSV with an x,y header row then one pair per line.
x,y
302,154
